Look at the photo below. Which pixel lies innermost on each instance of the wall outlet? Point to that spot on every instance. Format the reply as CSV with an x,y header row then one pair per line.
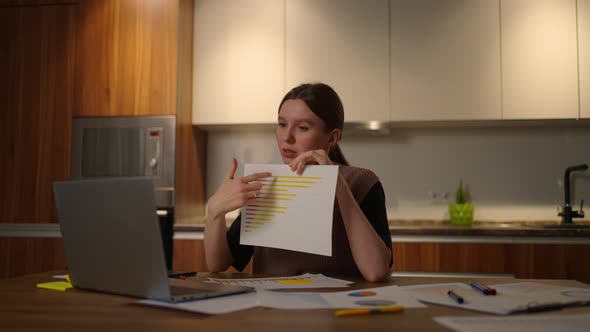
x,y
439,197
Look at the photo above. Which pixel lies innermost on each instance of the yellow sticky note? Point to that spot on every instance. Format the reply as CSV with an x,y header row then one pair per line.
x,y
55,285
295,281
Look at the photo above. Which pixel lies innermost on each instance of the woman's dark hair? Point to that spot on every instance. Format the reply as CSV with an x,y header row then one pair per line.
x,y
324,102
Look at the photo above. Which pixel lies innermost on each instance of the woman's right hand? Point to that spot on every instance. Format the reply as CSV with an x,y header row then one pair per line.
x,y
235,193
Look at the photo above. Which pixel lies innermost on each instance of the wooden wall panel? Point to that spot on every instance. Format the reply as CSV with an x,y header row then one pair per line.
x,y
126,58
13,3
37,67
191,142
21,256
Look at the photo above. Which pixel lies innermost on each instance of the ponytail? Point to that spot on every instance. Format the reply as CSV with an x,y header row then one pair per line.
x,y
337,156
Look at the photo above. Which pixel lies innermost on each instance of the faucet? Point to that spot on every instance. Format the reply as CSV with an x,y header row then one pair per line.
x,y
567,213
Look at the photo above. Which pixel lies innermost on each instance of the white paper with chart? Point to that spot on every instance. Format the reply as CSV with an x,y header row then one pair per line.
x,y
293,212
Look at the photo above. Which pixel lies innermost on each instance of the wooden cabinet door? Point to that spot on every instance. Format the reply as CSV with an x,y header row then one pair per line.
x,y
539,59
343,43
584,54
126,58
523,260
238,61
37,70
445,60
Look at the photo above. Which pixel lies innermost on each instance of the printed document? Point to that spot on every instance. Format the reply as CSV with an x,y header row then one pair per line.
x,y
509,298
307,280
293,212
536,323
351,299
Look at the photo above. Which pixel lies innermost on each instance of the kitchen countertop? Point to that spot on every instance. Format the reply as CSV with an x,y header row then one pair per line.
x,y
482,228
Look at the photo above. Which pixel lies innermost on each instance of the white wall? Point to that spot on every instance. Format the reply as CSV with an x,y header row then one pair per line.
x,y
512,173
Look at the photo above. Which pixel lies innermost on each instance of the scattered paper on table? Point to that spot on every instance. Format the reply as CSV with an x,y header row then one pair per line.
x,y
216,305
537,323
282,300
307,280
369,298
300,300
509,297
293,212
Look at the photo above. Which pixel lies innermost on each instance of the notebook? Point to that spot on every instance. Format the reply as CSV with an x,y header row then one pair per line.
x,y
112,241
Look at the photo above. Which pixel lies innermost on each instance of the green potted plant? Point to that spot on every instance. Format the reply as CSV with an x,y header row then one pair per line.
x,y
461,212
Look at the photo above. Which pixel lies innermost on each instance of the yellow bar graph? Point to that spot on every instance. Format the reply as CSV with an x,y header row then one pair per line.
x,y
298,177
248,218
284,186
287,181
269,206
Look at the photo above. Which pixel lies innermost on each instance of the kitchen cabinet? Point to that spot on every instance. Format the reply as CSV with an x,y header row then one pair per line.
x,y
22,256
238,61
126,53
536,261
343,43
445,60
189,255
36,102
539,59
584,55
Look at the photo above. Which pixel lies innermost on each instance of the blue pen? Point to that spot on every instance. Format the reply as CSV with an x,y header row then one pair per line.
x,y
485,290
455,297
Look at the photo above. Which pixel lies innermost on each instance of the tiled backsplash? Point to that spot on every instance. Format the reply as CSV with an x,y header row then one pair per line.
x,y
511,173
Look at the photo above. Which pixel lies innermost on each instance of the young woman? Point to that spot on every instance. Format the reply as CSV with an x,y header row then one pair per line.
x,y
310,121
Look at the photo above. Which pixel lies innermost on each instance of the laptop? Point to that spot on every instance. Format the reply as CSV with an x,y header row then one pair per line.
x,y
112,241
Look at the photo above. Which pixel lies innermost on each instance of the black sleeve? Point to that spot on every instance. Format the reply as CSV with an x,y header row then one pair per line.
x,y
241,253
373,206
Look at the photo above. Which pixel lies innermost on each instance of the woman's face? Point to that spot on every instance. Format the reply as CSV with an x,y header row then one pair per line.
x,y
300,130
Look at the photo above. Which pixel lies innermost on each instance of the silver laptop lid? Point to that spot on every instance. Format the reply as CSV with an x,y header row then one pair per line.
x,y
111,236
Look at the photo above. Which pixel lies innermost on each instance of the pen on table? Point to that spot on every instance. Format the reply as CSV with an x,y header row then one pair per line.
x,y
455,297
483,288
369,311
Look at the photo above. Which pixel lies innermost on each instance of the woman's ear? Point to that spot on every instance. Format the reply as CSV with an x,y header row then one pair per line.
x,y
335,135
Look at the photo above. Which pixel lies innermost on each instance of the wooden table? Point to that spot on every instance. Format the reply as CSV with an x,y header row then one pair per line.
x,y
24,306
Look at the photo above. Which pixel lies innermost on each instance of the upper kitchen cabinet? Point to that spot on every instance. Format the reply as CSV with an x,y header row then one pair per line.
x,y
343,43
539,59
126,53
238,61
445,60
584,49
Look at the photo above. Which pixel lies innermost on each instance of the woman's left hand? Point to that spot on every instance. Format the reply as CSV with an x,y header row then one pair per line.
x,y
311,157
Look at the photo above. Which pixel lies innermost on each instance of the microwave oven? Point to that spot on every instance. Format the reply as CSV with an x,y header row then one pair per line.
x,y
126,147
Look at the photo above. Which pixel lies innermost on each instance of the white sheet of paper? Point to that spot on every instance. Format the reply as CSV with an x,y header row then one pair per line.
x,y
216,305
303,281
500,304
282,300
536,323
293,212
370,298
509,296
545,293
388,295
